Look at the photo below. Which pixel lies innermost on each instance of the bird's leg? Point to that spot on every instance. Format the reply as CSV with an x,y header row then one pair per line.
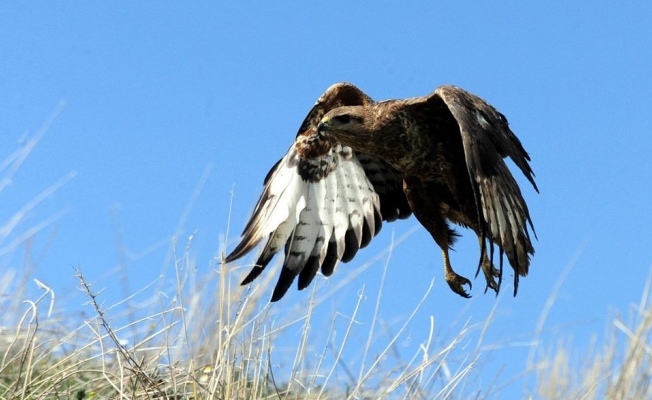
x,y
455,281
426,206
444,237
490,272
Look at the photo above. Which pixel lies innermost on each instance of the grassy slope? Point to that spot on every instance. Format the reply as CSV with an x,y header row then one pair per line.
x,y
168,353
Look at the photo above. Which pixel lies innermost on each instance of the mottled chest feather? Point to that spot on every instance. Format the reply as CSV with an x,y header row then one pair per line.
x,y
317,157
311,144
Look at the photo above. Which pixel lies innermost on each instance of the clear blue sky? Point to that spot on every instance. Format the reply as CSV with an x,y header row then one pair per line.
x,y
157,92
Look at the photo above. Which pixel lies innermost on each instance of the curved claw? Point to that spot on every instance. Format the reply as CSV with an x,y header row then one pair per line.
x,y
456,283
491,284
490,273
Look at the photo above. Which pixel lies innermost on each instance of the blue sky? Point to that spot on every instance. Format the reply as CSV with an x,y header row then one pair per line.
x,y
157,93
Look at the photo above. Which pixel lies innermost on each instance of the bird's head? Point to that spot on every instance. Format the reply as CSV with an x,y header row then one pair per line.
x,y
348,126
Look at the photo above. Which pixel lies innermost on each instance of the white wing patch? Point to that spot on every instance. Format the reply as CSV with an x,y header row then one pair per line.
x,y
308,218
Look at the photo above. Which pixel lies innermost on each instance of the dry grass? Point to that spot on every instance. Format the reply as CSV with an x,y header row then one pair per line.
x,y
212,339
188,350
620,368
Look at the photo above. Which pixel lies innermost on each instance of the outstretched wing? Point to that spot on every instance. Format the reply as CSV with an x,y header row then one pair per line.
x,y
487,140
321,202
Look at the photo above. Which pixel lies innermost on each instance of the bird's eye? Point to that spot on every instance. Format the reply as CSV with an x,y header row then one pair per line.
x,y
343,119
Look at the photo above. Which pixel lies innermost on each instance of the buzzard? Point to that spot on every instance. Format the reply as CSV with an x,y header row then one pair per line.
x,y
356,162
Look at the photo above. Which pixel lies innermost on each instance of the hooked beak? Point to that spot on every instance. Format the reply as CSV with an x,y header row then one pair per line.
x,y
322,125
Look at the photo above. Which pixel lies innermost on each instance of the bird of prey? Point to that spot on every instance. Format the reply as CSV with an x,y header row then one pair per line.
x,y
356,162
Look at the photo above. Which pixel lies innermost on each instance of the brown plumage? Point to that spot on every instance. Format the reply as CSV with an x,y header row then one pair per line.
x,y
356,162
